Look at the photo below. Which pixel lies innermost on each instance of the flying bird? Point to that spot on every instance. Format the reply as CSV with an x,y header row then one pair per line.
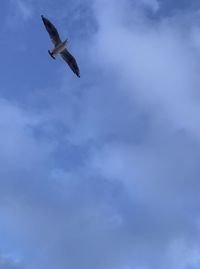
x,y
60,47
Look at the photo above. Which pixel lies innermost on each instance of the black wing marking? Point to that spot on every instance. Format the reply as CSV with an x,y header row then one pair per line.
x,y
51,29
71,61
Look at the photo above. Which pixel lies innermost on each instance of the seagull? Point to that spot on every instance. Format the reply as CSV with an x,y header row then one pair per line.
x,y
60,47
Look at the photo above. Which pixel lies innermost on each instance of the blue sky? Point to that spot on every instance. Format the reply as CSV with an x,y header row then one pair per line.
x,y
100,172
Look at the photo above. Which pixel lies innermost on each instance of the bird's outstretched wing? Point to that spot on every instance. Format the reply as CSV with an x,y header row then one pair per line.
x,y
71,61
51,29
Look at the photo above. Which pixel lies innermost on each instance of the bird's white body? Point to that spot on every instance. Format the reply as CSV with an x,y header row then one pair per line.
x,y
59,48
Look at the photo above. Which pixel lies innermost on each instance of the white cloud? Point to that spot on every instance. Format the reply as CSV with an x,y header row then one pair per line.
x,y
159,62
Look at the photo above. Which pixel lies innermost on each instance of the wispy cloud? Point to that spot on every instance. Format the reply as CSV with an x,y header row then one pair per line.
x,y
7,263
19,11
24,8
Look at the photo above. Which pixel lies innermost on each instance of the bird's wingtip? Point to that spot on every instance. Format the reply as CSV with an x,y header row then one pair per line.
x,y
78,73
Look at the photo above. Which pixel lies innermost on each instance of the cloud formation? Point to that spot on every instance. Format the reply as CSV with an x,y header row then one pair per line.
x,y
105,173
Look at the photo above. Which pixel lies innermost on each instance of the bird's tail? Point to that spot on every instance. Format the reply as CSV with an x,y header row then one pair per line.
x,y
51,54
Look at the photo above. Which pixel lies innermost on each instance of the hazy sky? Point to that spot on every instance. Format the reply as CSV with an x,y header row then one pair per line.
x,y
101,172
